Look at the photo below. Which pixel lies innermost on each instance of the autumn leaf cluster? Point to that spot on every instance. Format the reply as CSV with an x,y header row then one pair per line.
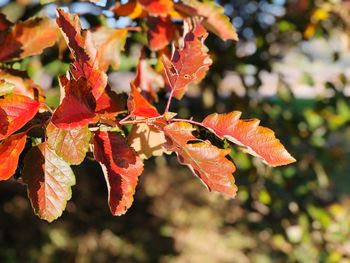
x,y
120,131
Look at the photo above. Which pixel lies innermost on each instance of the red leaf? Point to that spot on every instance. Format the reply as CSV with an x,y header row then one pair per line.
x,y
132,9
215,19
10,150
204,159
85,53
27,38
148,80
139,106
15,111
49,180
259,141
78,106
189,64
161,31
157,7
71,144
121,167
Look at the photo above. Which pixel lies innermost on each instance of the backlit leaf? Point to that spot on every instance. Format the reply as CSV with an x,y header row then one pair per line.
x,y
258,140
71,144
49,180
10,149
109,42
139,106
204,159
214,17
121,167
27,38
188,64
15,111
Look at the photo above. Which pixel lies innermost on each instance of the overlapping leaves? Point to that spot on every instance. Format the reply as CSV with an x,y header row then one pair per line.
x,y
91,116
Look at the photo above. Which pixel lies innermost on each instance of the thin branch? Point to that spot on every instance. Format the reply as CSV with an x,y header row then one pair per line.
x,y
189,121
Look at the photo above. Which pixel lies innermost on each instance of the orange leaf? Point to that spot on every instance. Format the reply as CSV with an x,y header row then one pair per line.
x,y
157,7
215,19
161,31
109,42
27,38
139,106
10,150
121,167
204,159
49,180
132,9
15,111
189,64
259,141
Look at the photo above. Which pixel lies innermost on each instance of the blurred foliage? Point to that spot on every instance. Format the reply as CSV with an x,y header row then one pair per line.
x,y
298,213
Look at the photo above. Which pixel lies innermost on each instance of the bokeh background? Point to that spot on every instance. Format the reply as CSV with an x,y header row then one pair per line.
x,y
290,69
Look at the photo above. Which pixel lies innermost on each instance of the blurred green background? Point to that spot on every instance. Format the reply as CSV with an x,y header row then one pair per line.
x,y
291,70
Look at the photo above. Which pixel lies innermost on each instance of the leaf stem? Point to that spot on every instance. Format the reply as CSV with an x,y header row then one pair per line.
x,y
169,100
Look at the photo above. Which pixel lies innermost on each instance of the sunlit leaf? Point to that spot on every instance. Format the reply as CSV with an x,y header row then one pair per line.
x,y
139,106
157,7
258,140
121,167
15,111
109,42
71,144
10,149
188,64
204,159
49,180
214,17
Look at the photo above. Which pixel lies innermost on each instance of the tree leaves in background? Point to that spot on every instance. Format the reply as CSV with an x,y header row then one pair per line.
x,y
15,111
49,180
204,159
161,31
259,141
109,42
10,150
121,167
27,38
